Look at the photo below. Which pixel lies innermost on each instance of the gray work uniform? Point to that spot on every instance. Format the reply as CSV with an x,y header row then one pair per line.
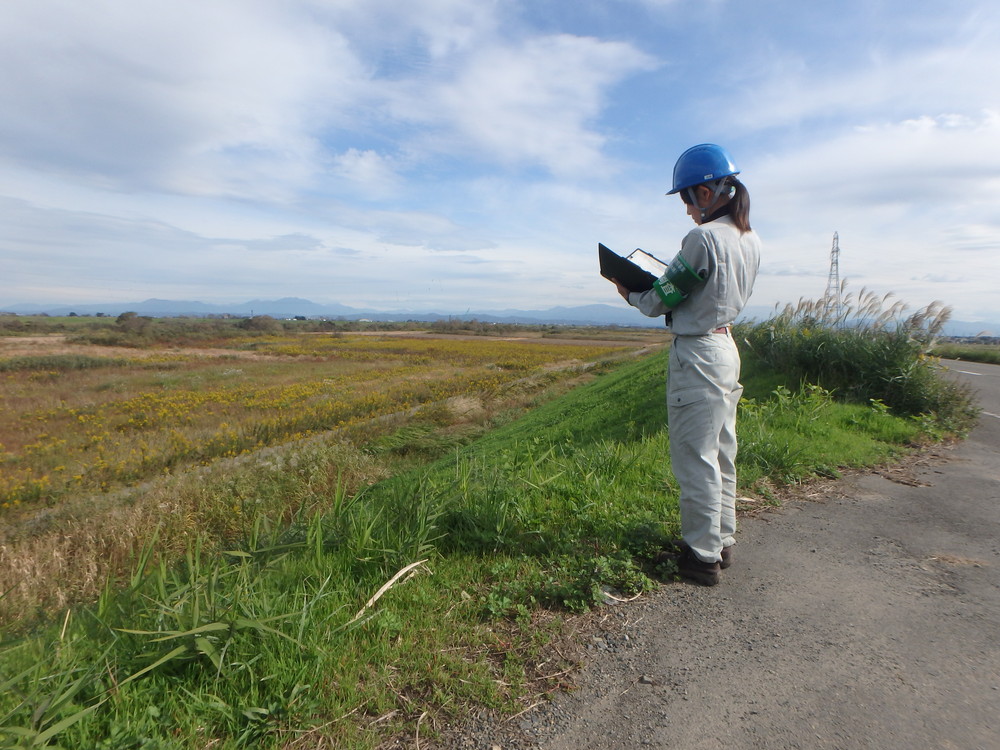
x,y
703,385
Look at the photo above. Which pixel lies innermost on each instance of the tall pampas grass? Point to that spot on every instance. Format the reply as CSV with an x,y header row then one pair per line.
x,y
869,348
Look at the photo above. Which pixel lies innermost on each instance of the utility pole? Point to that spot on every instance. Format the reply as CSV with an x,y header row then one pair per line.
x,y
831,300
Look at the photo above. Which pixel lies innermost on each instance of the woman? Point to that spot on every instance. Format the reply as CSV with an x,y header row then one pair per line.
x,y
702,292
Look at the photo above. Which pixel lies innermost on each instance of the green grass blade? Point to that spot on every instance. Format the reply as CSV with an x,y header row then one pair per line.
x,y
243,623
212,627
18,731
43,738
162,660
208,648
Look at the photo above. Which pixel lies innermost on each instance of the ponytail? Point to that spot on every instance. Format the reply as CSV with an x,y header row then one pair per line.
x,y
739,204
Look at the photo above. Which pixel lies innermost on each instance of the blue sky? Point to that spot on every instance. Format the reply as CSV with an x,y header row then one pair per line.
x,y
455,154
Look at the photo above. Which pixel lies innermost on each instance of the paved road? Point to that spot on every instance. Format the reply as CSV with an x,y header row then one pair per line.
x,y
868,617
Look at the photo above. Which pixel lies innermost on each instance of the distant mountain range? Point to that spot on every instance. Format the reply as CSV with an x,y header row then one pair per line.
x,y
288,307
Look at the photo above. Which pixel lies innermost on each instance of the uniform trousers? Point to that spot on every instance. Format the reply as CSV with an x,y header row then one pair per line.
x,y
703,390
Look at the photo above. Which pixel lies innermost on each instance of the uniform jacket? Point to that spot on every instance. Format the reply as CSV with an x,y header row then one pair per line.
x,y
727,260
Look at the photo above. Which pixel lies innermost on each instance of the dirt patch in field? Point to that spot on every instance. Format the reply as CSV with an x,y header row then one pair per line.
x,y
58,344
638,339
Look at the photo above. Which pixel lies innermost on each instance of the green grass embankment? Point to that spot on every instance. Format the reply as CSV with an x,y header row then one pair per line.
x,y
295,638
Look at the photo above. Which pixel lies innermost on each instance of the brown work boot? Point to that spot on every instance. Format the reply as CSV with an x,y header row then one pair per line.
x,y
689,566
727,557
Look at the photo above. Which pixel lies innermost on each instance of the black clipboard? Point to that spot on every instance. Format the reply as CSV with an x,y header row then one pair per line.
x,y
631,276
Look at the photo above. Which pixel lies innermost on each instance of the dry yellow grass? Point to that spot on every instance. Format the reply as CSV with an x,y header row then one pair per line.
x,y
94,463
69,431
67,554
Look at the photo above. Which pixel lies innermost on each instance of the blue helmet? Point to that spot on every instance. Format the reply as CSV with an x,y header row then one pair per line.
x,y
702,163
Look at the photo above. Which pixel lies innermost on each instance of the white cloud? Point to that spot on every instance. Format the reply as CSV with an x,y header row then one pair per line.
x,y
951,70
89,254
916,202
242,98
201,98
532,103
367,172
399,37
949,161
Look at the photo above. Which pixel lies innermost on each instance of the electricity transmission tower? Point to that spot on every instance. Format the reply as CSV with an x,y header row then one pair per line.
x,y
832,307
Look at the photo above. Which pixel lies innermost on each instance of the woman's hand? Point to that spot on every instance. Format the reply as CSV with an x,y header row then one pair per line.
x,y
622,290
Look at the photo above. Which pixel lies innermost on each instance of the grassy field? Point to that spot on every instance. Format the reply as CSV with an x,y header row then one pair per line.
x,y
987,353
380,579
72,421
105,439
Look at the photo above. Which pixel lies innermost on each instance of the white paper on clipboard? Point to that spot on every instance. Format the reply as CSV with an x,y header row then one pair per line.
x,y
648,262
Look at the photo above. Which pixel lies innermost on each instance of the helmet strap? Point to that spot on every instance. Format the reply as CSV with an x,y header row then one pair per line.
x,y
693,196
717,187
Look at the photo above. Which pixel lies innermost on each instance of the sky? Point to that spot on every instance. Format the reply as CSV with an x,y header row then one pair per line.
x,y
453,155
